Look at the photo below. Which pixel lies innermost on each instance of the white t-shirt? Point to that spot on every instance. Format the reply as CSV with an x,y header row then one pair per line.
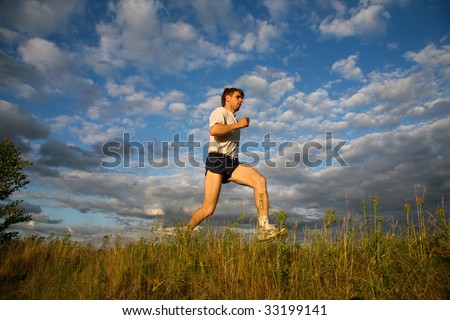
x,y
226,143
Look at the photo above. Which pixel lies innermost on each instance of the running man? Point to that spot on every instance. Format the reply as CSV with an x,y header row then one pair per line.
x,y
223,166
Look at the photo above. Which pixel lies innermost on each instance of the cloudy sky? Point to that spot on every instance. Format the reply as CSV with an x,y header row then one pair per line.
x,y
110,101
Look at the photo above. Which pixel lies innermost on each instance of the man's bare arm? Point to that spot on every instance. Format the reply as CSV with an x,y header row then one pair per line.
x,y
219,129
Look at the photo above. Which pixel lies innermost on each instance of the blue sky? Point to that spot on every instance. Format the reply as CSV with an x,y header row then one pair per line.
x,y
77,75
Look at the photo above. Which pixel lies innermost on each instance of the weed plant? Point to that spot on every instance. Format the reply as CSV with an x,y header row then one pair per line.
x,y
351,257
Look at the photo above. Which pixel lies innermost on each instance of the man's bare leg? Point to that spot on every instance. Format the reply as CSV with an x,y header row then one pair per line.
x,y
213,184
248,176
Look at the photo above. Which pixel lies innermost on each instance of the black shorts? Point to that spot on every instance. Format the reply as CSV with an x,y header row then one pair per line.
x,y
220,163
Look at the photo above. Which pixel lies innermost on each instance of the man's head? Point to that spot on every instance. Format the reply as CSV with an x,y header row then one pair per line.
x,y
230,92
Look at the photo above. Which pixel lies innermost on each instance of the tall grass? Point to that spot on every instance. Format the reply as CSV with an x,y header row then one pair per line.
x,y
347,258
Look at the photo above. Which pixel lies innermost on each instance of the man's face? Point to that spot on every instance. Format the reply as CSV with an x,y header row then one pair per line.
x,y
235,100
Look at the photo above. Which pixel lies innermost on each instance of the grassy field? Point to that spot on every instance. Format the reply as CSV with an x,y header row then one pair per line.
x,y
344,259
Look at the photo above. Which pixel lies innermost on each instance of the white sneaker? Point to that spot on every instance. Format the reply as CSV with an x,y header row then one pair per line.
x,y
270,232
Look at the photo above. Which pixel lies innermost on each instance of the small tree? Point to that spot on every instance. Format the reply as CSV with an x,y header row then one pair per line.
x,y
11,180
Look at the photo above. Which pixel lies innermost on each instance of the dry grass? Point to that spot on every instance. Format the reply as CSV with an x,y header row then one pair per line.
x,y
355,261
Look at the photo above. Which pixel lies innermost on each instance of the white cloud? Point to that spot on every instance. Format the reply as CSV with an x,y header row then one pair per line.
x,y
320,101
180,31
257,84
431,56
248,43
58,71
364,120
266,33
399,90
120,194
9,36
213,15
138,35
362,22
340,7
394,160
277,9
211,102
336,27
45,56
435,108
93,132
348,69
333,126
177,109
116,90
39,18
356,100
232,58
138,18
265,84
260,37
271,126
371,20
132,97
297,103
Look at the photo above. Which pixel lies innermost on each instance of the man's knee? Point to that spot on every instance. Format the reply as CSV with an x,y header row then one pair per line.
x,y
261,182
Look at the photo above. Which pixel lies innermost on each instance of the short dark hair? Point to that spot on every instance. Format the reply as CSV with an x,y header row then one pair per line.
x,y
228,91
